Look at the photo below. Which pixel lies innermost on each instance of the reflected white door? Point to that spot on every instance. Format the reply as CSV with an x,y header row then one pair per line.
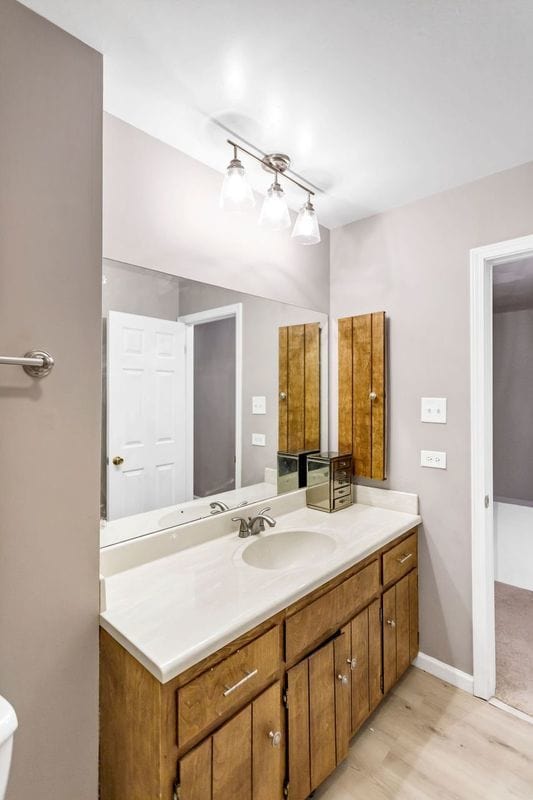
x,y
146,393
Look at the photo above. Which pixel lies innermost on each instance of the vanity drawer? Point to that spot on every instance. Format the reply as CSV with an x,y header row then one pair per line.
x,y
227,686
400,560
326,614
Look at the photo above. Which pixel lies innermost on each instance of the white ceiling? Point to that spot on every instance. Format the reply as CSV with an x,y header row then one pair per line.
x,y
379,102
513,285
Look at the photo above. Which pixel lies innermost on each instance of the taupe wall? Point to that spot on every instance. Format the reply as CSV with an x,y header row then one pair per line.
x,y
50,267
161,211
513,405
413,262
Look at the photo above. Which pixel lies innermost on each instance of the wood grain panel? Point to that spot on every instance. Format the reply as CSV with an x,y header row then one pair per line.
x,y
413,615
298,732
195,771
322,735
129,754
343,693
312,387
283,388
202,701
389,639
362,386
378,406
375,666
360,682
402,626
345,410
327,613
296,394
232,758
268,761
400,559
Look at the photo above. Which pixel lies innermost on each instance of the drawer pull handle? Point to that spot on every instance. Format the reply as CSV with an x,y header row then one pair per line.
x,y
343,679
230,689
404,558
352,662
275,738
391,622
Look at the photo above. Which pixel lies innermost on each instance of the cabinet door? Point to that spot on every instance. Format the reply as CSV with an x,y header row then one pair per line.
x,y
365,664
400,628
319,715
362,410
244,759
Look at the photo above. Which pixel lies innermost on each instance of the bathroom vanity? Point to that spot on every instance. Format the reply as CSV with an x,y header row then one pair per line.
x,y
270,712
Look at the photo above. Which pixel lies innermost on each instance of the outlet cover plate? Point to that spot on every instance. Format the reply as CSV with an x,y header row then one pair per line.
x,y
259,405
435,459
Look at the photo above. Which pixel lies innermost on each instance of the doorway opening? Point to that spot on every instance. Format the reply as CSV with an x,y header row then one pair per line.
x,y
502,472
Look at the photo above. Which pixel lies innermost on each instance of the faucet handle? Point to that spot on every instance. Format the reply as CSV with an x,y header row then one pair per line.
x,y
264,510
244,529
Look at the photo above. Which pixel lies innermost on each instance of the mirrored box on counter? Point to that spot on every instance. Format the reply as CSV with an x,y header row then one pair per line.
x,y
292,470
329,481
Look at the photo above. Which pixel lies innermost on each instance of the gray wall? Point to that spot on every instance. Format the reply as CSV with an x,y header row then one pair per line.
x,y
214,407
161,211
260,323
50,281
413,262
513,405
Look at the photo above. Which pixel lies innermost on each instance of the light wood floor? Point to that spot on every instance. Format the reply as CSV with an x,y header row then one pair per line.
x,y
430,741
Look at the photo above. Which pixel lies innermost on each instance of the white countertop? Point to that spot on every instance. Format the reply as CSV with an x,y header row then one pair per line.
x,y
173,611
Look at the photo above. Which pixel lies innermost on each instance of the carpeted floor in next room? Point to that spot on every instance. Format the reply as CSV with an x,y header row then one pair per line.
x,y
514,646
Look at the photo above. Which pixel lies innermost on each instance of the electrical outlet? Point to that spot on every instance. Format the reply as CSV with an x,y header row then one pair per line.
x,y
433,458
259,405
433,409
259,439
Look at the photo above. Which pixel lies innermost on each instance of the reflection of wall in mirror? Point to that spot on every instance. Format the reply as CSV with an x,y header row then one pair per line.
x,y
261,320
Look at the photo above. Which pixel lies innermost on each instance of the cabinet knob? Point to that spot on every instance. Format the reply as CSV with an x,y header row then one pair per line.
x,y
275,738
373,396
118,460
343,679
391,622
352,662
282,396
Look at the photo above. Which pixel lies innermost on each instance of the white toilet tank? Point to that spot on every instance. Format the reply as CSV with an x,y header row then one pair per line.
x,y
8,726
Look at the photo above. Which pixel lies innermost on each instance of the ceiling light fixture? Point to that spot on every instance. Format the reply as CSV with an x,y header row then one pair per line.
x,y
237,195
306,229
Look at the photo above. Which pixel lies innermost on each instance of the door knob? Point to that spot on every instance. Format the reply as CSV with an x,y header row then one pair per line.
x,y
118,460
275,737
282,396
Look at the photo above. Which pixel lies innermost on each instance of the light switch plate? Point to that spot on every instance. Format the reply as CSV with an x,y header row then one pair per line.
x,y
433,409
433,458
259,439
259,405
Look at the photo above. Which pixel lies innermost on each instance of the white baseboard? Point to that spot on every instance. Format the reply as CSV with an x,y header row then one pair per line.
x,y
510,710
453,676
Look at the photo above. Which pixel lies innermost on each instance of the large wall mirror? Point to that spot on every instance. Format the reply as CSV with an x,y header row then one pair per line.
x,y
202,388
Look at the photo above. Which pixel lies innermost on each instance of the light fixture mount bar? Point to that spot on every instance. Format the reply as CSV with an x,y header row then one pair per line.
x,y
275,162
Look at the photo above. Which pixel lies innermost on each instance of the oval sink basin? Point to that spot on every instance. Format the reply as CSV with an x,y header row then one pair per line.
x,y
288,549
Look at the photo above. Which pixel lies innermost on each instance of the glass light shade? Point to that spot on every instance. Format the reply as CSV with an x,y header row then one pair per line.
x,y
236,194
306,230
274,213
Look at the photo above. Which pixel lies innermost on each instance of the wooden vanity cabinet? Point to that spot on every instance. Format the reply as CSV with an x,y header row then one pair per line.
x,y
244,759
271,715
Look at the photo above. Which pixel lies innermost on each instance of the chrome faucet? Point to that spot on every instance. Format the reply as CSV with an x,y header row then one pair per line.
x,y
218,506
254,525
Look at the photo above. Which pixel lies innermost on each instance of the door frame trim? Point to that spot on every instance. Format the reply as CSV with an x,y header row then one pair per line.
x,y
482,262
200,318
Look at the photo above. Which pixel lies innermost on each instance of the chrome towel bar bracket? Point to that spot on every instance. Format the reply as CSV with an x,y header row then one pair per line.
x,y
37,363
